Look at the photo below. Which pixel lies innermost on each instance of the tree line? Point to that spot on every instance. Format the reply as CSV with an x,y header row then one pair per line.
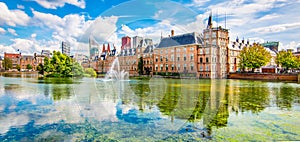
x,y
257,56
59,65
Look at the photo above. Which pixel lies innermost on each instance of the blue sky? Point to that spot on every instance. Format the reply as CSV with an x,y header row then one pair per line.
x,y
33,25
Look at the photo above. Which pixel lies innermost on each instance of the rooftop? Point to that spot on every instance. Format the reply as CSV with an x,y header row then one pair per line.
x,y
179,40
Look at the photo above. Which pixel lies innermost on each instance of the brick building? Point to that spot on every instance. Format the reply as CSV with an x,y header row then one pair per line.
x,y
15,58
25,60
126,42
235,48
201,55
177,54
1,60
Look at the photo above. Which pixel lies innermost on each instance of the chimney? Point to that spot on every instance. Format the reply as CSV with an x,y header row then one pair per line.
x,y
172,32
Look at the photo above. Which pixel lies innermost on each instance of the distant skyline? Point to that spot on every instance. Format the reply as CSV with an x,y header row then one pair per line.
x,y
33,25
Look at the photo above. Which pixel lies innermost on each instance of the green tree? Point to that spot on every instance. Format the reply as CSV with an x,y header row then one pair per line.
x,y
77,70
298,61
254,57
61,65
48,67
40,68
18,67
7,63
141,66
287,60
28,66
91,72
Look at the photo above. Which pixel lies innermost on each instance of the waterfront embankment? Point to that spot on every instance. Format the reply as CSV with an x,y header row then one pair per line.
x,y
265,76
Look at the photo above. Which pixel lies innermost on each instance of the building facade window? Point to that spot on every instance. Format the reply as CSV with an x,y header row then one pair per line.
x,y
207,60
201,51
167,67
161,67
156,59
172,67
206,50
214,42
184,67
201,68
192,66
178,67
178,58
156,67
207,68
201,60
214,34
172,57
161,58
192,57
184,57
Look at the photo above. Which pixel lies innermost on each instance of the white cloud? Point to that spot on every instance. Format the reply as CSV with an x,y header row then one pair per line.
x,y
12,17
70,25
292,45
53,4
257,19
198,3
76,30
7,49
12,31
33,35
276,28
30,46
20,6
2,31
268,17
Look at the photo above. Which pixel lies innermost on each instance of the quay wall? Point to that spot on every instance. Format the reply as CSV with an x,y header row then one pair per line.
x,y
265,76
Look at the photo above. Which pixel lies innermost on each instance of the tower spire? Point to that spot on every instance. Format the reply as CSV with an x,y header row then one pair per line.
x,y
209,24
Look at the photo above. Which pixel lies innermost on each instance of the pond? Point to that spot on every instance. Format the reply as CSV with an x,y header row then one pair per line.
x,y
157,109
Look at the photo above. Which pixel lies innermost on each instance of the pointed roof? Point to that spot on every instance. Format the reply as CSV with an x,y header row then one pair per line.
x,y
108,48
184,39
103,48
209,23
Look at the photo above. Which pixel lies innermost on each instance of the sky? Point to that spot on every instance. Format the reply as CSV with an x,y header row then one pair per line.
x,y
29,26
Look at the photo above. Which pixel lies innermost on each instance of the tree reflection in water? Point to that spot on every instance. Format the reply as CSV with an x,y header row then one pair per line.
x,y
286,96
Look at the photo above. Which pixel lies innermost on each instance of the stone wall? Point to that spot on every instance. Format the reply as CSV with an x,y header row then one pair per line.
x,y
264,76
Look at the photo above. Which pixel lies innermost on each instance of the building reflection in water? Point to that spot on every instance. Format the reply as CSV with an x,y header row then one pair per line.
x,y
179,103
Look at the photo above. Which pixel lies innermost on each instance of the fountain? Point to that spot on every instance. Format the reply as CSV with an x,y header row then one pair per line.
x,y
115,73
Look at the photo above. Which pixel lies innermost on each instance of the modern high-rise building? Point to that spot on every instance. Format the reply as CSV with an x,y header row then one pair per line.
x,y
126,42
273,45
148,41
94,48
136,41
65,48
46,53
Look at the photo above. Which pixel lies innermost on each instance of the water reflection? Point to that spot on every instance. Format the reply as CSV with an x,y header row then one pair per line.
x,y
156,109
286,96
